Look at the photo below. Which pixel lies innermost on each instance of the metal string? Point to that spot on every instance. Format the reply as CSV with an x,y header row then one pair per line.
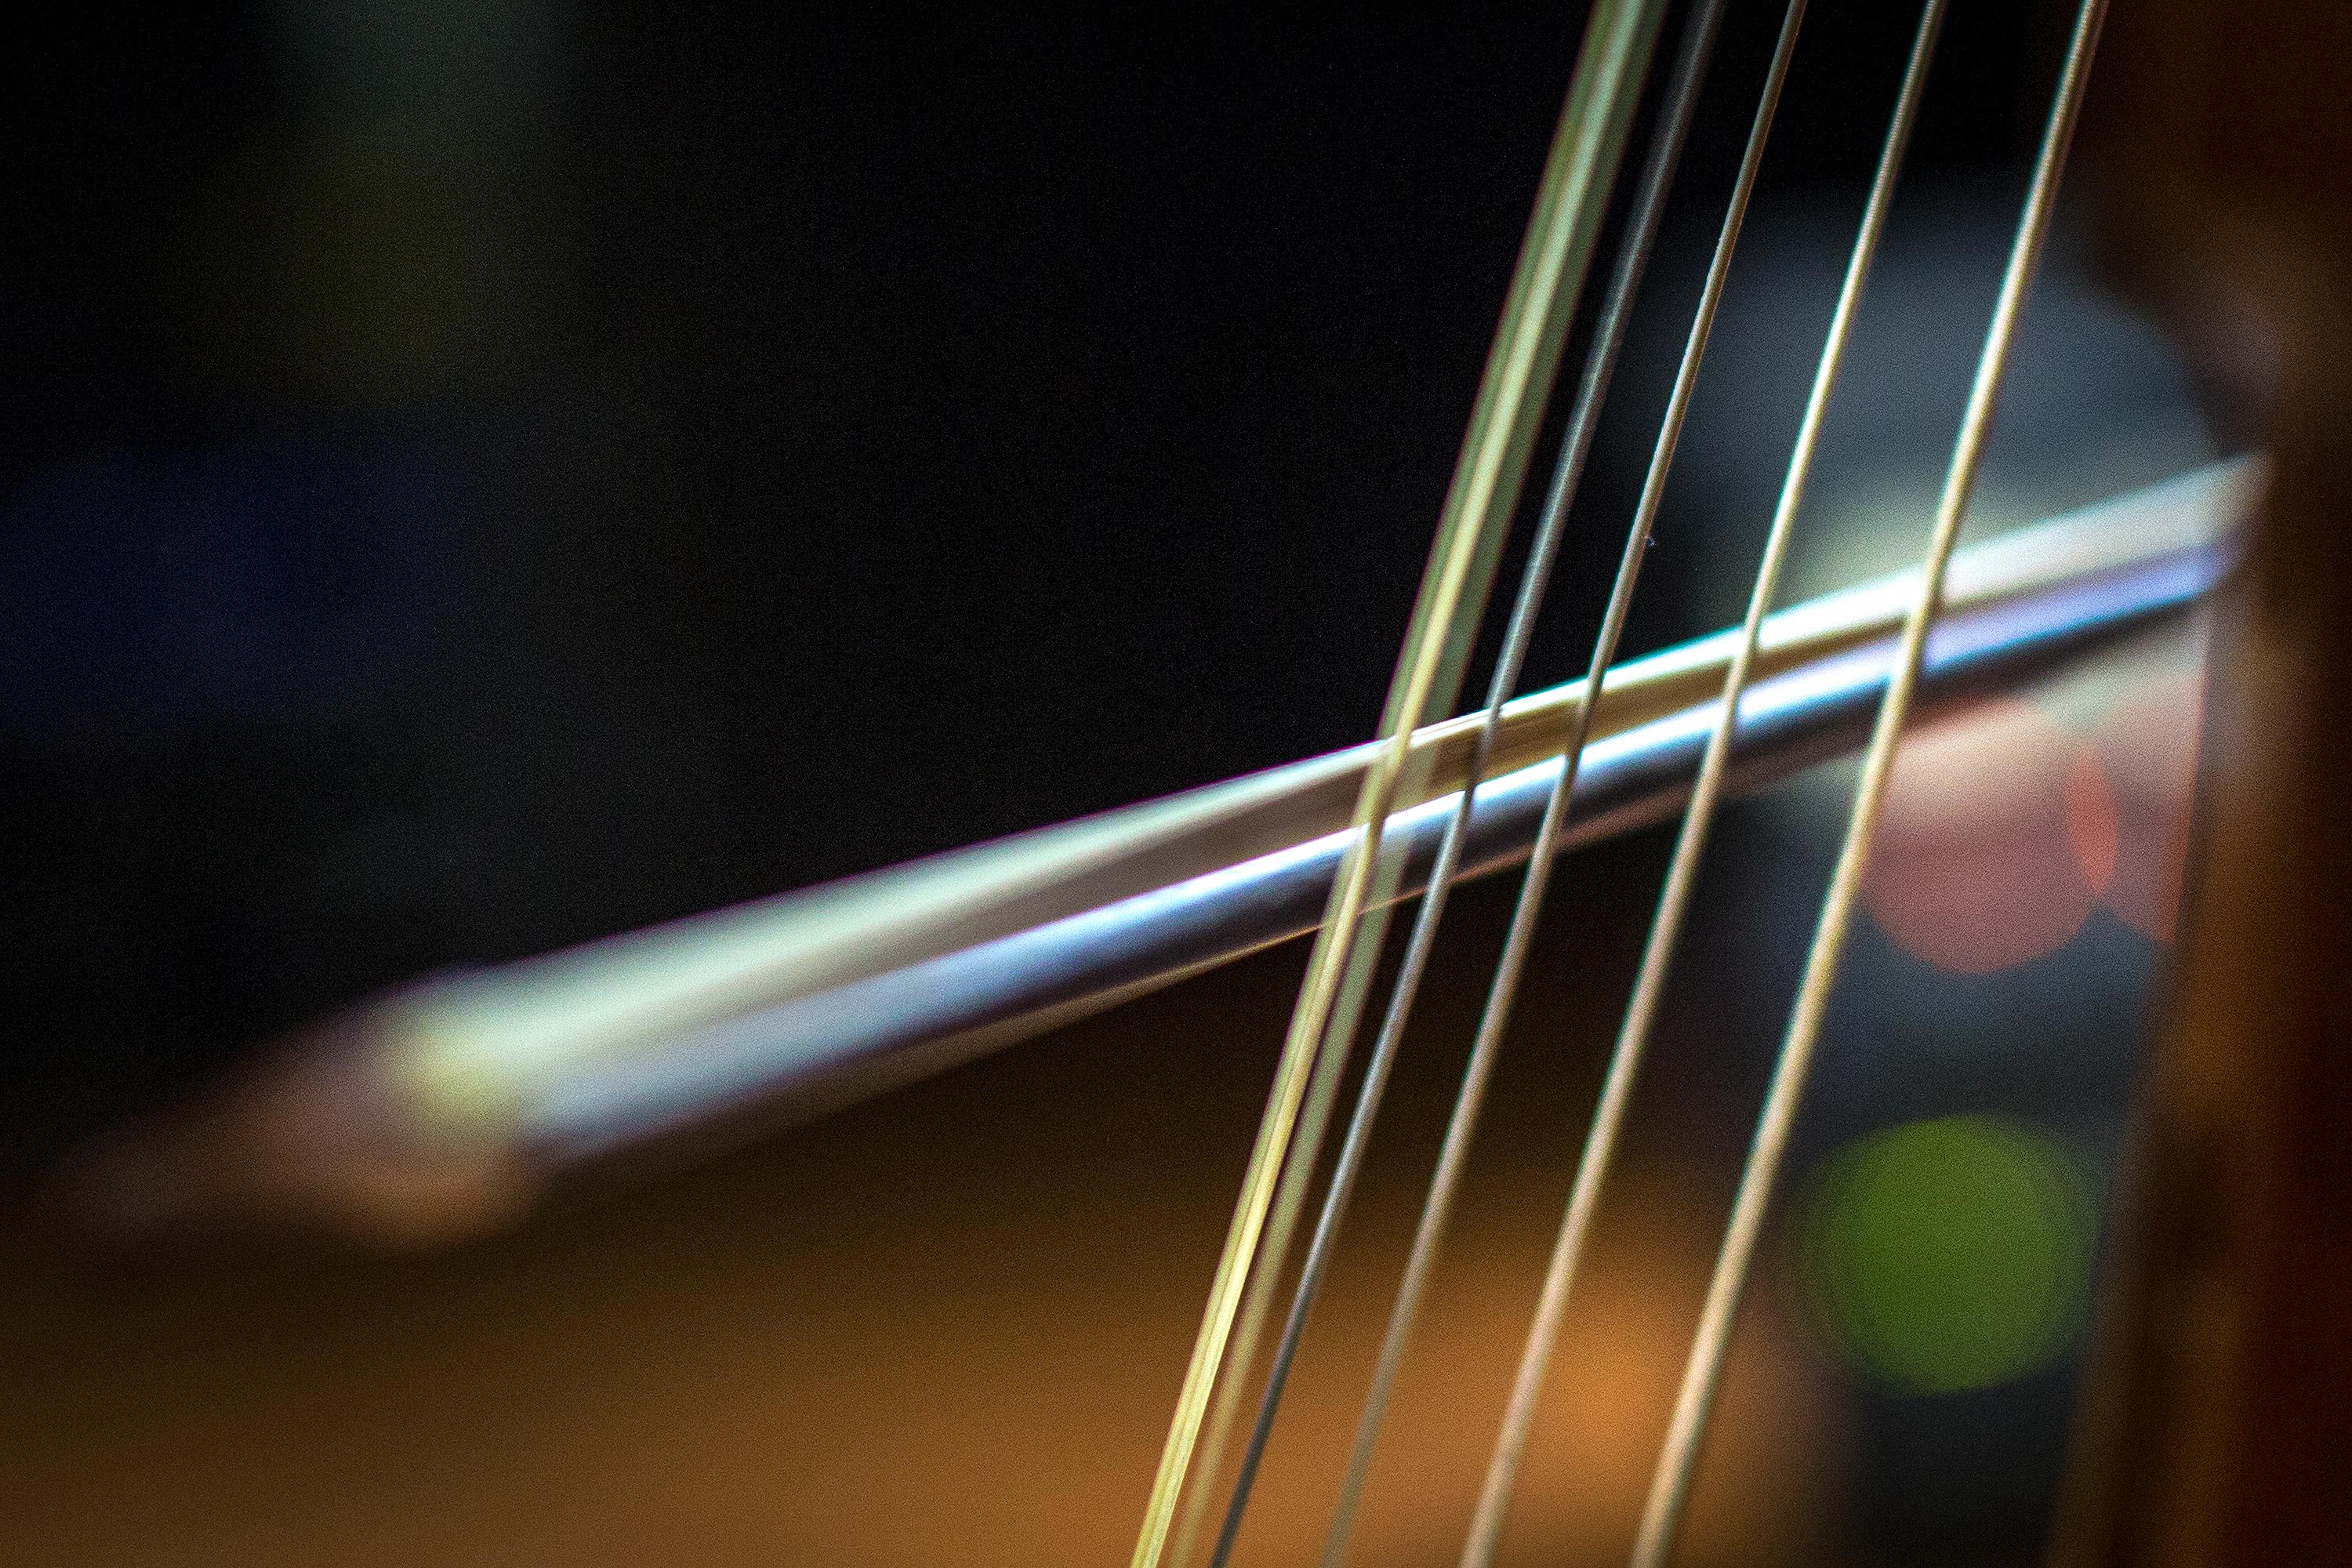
x,y
1553,262
1461,1126
1689,70
1609,1113
1345,1011
1678,1463
1290,1197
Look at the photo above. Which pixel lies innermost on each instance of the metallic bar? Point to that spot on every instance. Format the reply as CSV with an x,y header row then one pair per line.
x,y
447,1106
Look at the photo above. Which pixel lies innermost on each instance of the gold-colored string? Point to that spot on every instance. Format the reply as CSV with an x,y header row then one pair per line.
x,y
1461,1125
1562,235
1642,224
1609,1113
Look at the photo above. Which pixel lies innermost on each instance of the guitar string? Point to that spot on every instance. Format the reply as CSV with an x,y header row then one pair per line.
x,y
1677,1461
1338,1033
1462,1125
1290,1198
1562,235
1688,72
1609,1113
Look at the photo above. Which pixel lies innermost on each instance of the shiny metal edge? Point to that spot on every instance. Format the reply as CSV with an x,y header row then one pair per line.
x,y
446,1107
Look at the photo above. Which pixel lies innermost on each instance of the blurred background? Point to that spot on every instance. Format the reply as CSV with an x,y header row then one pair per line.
x,y
478,475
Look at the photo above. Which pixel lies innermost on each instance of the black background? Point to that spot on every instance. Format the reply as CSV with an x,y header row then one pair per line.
x,y
571,469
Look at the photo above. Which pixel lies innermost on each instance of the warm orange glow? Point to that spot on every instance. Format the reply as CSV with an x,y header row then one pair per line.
x,y
816,1358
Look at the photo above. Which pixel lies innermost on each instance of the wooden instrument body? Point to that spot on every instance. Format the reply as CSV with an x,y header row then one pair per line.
x,y
2220,1426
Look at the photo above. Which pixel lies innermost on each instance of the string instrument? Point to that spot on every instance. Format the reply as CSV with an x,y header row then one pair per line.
x,y
457,1104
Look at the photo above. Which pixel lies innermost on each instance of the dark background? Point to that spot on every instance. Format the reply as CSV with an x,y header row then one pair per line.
x,y
478,478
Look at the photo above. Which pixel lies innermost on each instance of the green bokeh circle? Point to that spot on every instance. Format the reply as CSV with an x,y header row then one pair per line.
x,y
1948,1254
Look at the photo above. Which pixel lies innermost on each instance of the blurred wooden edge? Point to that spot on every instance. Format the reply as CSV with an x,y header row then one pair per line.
x,y
2217,1428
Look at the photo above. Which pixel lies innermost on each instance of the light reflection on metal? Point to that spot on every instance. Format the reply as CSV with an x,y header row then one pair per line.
x,y
443,1108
